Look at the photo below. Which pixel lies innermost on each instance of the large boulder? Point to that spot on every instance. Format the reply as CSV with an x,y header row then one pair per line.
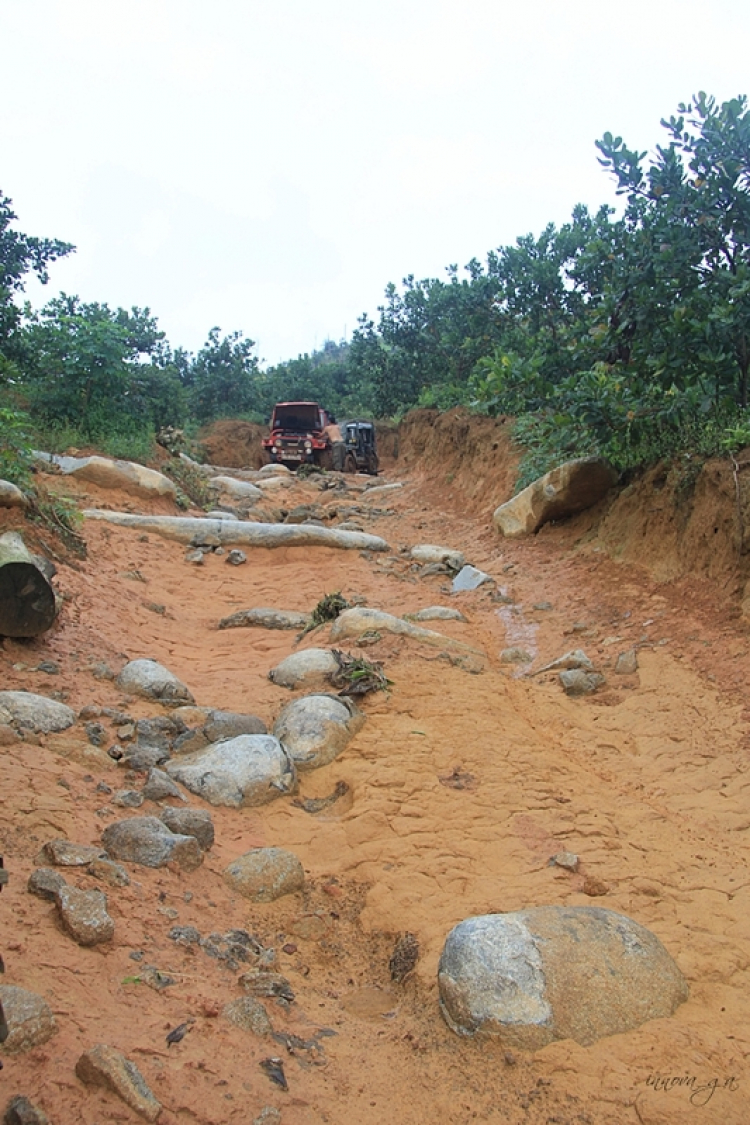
x,y
152,680
316,728
146,840
251,769
11,495
128,476
36,712
555,972
571,487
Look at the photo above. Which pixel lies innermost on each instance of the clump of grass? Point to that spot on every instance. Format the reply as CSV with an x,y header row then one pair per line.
x,y
357,676
327,609
192,486
59,516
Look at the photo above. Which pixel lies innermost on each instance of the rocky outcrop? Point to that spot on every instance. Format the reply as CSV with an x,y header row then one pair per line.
x,y
570,488
555,972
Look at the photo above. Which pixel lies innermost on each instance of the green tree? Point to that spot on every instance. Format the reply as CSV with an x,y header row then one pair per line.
x,y
20,255
223,377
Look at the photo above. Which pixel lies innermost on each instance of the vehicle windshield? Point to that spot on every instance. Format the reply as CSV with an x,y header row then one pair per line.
x,y
300,417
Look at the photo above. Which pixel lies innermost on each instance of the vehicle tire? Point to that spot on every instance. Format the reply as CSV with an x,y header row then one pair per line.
x,y
372,464
350,465
324,460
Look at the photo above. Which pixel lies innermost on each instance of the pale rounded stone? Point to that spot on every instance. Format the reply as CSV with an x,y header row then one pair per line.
x,y
265,874
316,728
152,680
429,553
308,668
37,712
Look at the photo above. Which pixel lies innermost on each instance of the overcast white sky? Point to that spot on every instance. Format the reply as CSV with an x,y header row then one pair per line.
x,y
269,165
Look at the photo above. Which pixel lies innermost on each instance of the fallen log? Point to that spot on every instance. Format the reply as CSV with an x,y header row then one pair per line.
x,y
27,601
229,532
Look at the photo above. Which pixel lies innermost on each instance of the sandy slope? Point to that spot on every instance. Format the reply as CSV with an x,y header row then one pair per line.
x,y
647,782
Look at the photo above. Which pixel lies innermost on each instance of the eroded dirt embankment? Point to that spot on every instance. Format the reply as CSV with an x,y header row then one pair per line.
x,y
460,788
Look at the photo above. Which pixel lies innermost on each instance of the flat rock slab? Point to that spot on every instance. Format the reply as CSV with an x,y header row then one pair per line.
x,y
361,619
570,488
148,841
430,553
555,972
104,1066
84,916
234,532
128,476
63,853
265,874
311,667
36,712
265,618
251,769
152,680
249,1014
436,613
29,1019
470,578
316,728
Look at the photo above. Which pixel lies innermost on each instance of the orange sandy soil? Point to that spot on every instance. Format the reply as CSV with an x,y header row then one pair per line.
x,y
646,781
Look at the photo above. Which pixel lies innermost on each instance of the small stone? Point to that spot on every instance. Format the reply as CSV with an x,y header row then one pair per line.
x,y
269,1115
141,758
62,853
50,667
84,915
190,822
159,786
152,680
229,724
100,670
104,1066
568,860
627,663
29,1019
45,883
109,872
96,734
184,935
265,874
194,557
20,1111
470,578
577,682
128,799
8,736
102,787
236,558
593,887
249,1014
542,605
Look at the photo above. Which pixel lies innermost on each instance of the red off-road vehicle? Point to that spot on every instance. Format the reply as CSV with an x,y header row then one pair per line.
x,y
297,436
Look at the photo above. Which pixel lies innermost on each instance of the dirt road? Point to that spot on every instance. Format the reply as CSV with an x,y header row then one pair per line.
x,y
461,788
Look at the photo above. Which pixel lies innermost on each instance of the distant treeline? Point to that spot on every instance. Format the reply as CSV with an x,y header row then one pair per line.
x,y
627,334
